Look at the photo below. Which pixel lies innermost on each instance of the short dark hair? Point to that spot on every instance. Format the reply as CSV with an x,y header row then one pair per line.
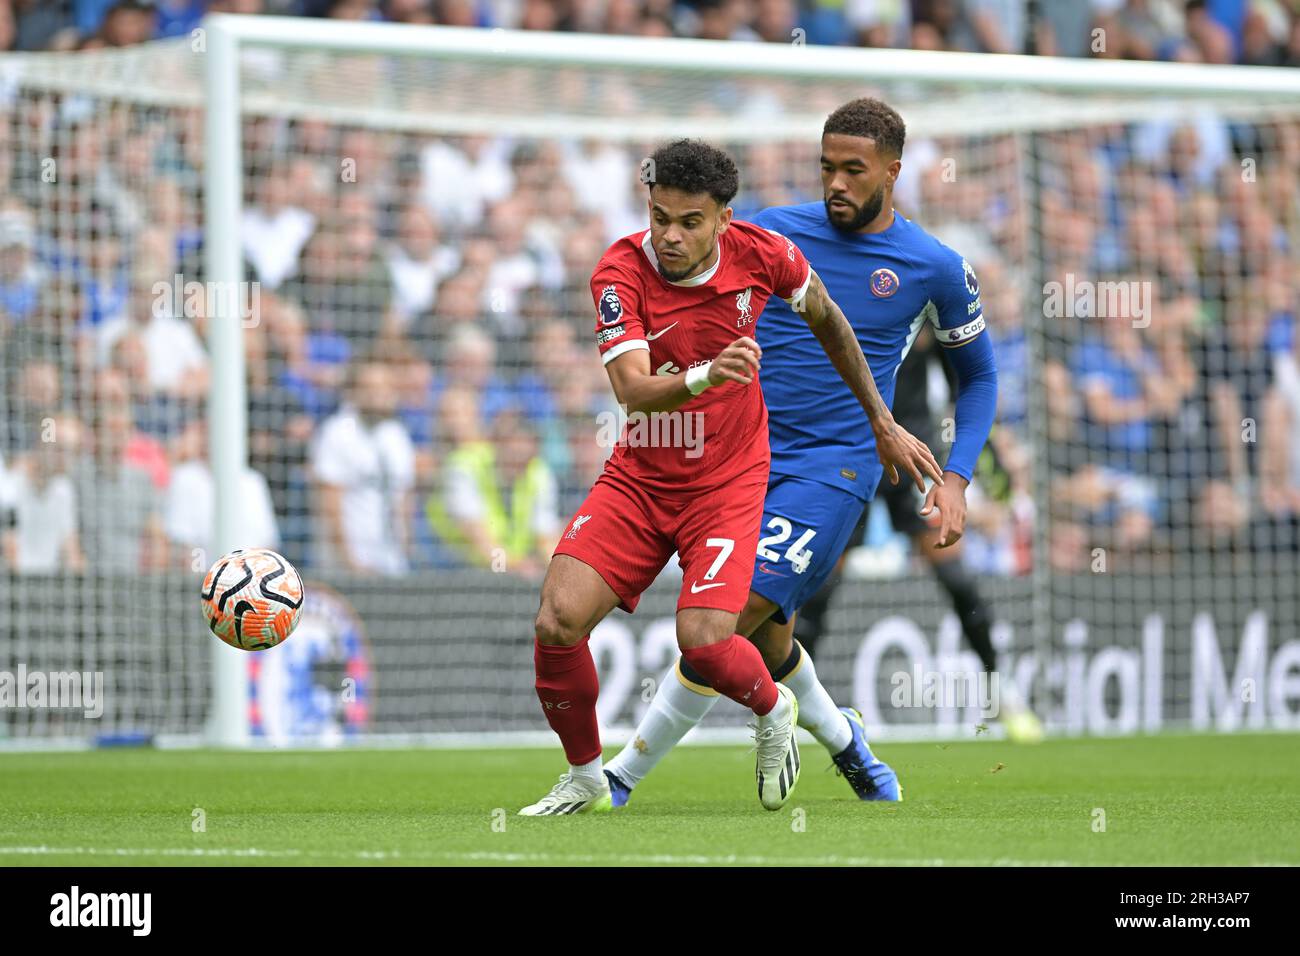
x,y
693,166
871,119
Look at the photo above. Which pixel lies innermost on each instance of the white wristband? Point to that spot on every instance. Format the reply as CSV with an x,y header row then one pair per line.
x,y
697,378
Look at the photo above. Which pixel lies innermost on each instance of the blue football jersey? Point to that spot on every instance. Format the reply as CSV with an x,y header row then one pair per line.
x,y
887,285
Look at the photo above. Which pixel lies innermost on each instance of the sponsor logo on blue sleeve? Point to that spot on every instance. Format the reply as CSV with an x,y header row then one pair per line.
x,y
962,335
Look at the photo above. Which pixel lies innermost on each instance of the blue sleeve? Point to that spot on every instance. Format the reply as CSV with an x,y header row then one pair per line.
x,y
959,329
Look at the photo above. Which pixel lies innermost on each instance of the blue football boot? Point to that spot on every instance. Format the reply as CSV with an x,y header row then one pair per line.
x,y
619,792
870,777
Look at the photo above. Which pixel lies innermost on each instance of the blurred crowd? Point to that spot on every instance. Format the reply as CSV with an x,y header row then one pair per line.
x,y
1210,31
423,387
1171,289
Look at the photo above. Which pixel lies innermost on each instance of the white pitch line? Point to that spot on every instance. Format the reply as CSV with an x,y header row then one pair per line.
x,y
668,859
559,859
661,859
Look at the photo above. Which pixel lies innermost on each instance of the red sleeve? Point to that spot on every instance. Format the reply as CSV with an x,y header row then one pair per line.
x,y
787,270
620,325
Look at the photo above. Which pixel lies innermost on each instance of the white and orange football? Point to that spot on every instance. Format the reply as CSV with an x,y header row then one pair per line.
x,y
252,599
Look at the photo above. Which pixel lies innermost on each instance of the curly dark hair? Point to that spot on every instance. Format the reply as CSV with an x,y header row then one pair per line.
x,y
693,166
870,119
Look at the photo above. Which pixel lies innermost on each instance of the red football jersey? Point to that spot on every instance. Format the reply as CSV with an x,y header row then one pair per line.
x,y
721,432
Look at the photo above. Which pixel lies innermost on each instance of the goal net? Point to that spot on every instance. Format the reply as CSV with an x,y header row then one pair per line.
x,y
358,223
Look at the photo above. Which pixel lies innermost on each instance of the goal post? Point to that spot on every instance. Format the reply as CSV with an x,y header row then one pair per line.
x,y
228,404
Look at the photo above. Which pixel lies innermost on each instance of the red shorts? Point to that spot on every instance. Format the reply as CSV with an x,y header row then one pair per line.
x,y
627,536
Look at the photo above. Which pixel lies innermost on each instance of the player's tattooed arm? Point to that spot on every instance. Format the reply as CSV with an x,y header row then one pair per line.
x,y
832,329
898,449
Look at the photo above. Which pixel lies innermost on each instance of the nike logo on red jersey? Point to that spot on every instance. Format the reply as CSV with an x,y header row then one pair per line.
x,y
696,588
651,336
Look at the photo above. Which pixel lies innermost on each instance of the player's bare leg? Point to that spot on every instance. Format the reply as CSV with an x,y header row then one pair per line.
x,y
758,610
574,600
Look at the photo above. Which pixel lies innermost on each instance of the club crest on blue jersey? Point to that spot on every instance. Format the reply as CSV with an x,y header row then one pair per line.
x,y
972,283
884,283
611,310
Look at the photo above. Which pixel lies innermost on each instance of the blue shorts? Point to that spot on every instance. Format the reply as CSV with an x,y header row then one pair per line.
x,y
806,527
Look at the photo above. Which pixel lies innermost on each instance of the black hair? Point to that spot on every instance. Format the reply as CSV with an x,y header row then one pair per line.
x,y
693,166
870,119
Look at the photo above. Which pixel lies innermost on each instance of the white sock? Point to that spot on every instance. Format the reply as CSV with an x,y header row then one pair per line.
x,y
780,710
817,712
589,772
675,709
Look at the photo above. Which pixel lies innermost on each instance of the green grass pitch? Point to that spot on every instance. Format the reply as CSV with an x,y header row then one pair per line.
x,y
1176,799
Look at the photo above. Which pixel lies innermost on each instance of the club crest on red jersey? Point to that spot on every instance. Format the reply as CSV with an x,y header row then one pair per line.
x,y
611,310
746,315
884,283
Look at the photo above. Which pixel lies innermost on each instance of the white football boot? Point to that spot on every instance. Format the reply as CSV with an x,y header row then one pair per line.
x,y
777,766
571,795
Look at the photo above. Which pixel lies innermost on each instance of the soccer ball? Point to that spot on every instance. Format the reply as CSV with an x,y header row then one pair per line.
x,y
252,599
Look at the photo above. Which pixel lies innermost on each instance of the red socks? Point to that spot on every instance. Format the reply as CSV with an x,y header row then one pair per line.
x,y
567,687
735,668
